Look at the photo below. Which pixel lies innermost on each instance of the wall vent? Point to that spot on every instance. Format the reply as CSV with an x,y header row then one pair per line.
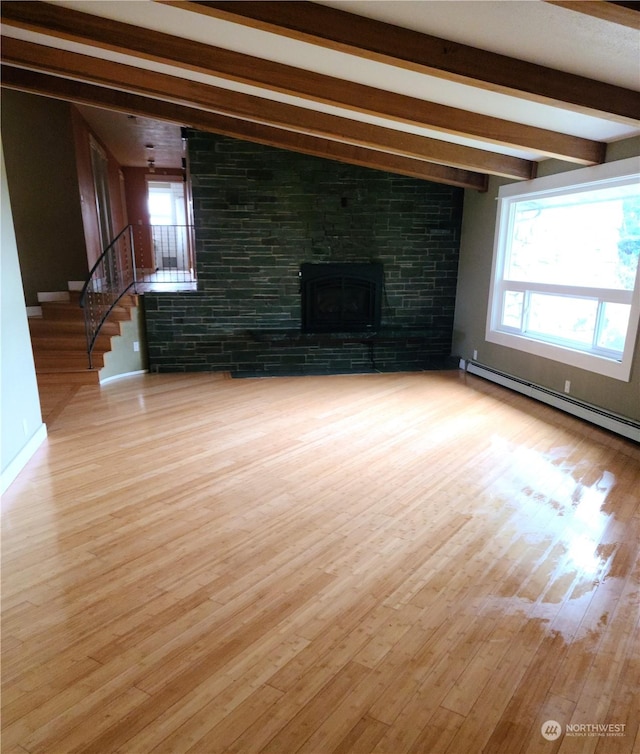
x,y
605,419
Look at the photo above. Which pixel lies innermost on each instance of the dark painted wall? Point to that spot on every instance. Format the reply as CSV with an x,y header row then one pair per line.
x,y
259,213
473,294
37,136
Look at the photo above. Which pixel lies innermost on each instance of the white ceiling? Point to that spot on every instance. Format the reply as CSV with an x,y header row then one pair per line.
x,y
530,30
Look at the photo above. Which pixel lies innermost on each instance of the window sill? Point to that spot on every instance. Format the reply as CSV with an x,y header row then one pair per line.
x,y
617,370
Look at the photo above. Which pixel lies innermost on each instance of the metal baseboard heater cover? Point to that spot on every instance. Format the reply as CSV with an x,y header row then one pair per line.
x,y
605,419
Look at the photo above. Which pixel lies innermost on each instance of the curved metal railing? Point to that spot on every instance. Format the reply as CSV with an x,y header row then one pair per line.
x,y
142,257
109,279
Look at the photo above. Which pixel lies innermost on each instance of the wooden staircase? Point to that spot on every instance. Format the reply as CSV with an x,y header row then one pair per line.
x,y
59,341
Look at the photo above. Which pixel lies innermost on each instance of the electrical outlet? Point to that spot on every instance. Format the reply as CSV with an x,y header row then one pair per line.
x,y
136,346
475,355
567,386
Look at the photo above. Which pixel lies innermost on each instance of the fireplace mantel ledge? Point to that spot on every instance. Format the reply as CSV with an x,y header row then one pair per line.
x,y
288,336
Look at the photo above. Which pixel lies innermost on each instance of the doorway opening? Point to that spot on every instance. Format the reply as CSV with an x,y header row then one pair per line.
x,y
171,236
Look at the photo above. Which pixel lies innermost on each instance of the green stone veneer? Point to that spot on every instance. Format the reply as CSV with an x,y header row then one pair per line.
x,y
259,213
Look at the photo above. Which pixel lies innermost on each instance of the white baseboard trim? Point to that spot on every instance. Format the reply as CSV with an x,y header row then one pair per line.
x,y
23,457
44,296
75,285
34,311
601,417
122,376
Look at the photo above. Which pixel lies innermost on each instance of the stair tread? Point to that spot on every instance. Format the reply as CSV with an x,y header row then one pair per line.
x,y
58,339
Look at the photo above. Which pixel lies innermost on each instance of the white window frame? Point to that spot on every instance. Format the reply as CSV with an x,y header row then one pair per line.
x,y
586,179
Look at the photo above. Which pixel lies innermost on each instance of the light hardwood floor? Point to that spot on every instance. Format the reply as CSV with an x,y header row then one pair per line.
x,y
364,563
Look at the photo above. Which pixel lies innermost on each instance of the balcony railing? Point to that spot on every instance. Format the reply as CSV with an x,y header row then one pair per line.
x,y
140,258
164,255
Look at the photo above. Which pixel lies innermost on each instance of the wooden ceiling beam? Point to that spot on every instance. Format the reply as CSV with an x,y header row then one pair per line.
x,y
394,45
70,24
268,112
112,99
623,14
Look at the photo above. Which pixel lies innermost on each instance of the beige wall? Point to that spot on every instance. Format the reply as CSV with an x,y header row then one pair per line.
x,y
22,429
476,253
123,358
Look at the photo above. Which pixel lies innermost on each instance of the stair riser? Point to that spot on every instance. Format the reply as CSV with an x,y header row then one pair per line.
x,y
66,359
58,339
119,315
80,377
57,342
74,313
69,312
44,327
127,301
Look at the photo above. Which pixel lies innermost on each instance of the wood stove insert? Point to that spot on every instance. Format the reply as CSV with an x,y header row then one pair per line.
x,y
341,297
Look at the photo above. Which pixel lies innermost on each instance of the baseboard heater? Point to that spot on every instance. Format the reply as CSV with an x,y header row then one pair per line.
x,y
605,419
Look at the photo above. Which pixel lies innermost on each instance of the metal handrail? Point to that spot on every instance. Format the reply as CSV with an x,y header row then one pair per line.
x,y
109,279
158,255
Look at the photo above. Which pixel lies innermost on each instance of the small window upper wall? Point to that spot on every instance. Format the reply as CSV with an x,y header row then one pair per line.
x,y
566,276
171,238
166,201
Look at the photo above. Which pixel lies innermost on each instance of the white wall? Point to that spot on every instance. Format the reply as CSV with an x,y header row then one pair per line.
x,y
22,430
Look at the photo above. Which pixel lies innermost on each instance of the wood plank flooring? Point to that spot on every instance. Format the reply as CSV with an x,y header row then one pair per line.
x,y
395,563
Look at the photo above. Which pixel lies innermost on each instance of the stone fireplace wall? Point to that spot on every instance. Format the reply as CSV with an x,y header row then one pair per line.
x,y
261,212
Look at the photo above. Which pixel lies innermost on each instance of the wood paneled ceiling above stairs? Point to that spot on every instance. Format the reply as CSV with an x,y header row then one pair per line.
x,y
446,91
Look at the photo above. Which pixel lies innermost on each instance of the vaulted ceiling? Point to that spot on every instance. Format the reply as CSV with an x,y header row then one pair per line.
x,y
450,91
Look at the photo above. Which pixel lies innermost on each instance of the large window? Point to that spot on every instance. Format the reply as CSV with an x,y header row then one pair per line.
x,y
565,281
